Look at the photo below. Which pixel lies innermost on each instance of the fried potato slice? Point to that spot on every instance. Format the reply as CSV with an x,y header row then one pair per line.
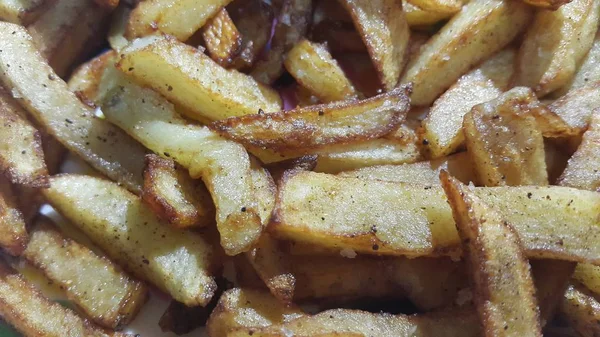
x,y
174,196
417,17
13,235
85,79
191,79
423,173
588,72
416,220
456,48
23,12
313,67
177,18
25,308
344,322
555,44
221,37
293,20
384,30
442,128
223,165
504,292
589,276
582,311
240,307
47,98
21,153
181,263
438,6
576,107
253,19
97,286
304,163
581,171
317,126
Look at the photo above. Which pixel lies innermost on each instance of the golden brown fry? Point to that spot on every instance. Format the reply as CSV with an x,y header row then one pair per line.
x,y
174,196
85,79
442,129
46,97
576,107
21,154
293,20
504,292
253,19
177,18
304,163
315,127
178,262
438,6
314,68
98,287
582,169
582,311
588,72
25,308
384,30
555,44
479,30
191,79
221,37
13,235
23,12
417,17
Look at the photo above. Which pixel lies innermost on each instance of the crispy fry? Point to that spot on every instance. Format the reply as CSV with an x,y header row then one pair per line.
x,y
438,6
314,68
589,276
417,17
479,30
164,64
47,99
25,308
177,262
23,12
582,311
384,30
222,39
588,72
174,196
505,296
85,79
304,163
315,127
581,171
178,18
555,44
13,235
97,286
253,19
576,107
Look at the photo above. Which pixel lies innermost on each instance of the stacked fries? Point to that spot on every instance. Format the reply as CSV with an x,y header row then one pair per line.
x,y
368,168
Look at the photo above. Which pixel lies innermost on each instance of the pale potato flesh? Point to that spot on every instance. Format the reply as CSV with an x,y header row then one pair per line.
x,y
582,168
582,311
588,72
576,106
181,263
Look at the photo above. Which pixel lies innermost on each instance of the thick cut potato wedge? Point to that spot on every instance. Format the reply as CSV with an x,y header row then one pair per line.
x,y
97,286
442,128
589,276
223,165
554,45
240,307
588,72
423,173
46,97
175,196
582,169
504,292
180,263
23,12
253,19
315,127
576,107
187,77
582,311
354,323
25,308
552,222
313,67
479,30
21,153
293,20
13,235
178,18
222,39
384,30
86,78
417,17
438,6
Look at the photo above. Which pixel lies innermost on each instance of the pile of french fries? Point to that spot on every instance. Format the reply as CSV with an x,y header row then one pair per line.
x,y
302,167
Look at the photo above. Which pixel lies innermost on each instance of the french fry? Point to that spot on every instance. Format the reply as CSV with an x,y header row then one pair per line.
x,y
423,173
576,107
438,6
555,44
174,196
180,263
97,286
25,308
504,292
13,235
223,165
417,17
304,163
23,12
85,79
191,79
496,22
442,128
177,18
416,220
293,20
588,71
315,127
222,39
581,171
385,32
582,311
253,19
21,154
313,67
241,307
45,96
